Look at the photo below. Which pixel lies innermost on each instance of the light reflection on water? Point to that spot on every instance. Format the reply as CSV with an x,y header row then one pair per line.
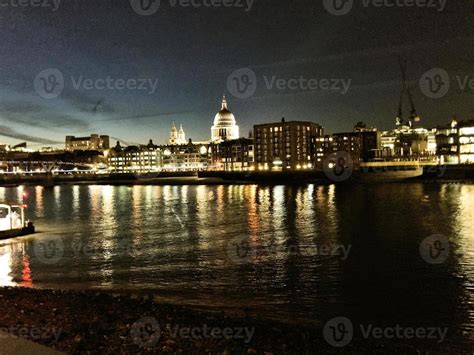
x,y
174,240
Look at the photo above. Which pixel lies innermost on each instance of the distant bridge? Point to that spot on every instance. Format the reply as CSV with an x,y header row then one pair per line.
x,y
43,167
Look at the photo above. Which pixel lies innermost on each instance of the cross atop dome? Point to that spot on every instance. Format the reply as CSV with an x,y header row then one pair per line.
x,y
224,103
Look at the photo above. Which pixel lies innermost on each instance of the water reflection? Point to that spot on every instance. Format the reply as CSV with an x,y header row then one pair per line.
x,y
174,240
6,277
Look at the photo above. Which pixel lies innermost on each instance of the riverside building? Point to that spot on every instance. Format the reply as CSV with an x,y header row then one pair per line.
x,y
286,146
135,159
94,142
455,142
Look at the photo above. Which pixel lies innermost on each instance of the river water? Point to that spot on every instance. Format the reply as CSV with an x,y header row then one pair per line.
x,y
307,253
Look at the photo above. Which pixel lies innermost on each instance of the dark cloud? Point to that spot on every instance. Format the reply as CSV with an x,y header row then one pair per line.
x,y
11,133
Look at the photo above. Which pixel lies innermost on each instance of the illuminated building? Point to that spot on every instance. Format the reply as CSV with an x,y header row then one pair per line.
x,y
189,157
323,146
363,145
135,159
233,155
408,142
225,126
177,137
286,145
152,158
94,142
455,142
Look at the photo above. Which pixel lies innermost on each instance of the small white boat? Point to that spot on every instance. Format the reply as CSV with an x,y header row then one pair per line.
x,y
13,223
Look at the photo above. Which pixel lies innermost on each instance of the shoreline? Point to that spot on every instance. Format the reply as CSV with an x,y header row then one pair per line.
x,y
225,182
388,174
112,322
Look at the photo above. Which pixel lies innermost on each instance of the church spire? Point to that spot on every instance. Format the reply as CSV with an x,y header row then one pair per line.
x,y
224,103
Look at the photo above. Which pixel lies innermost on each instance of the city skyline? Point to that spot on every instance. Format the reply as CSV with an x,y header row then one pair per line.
x,y
184,83
236,176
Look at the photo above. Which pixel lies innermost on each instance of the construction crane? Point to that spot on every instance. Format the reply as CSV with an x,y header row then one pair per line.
x,y
406,88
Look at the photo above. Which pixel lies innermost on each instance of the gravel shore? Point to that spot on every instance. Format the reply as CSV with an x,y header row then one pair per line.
x,y
92,323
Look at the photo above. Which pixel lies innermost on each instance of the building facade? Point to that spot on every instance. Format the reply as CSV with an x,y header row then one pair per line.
x,y
233,155
455,142
135,159
362,146
286,146
189,157
408,142
94,142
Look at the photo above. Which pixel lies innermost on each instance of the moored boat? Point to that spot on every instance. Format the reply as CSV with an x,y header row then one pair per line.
x,y
13,223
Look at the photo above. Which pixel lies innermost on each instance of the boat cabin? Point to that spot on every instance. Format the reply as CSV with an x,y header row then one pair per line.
x,y
12,217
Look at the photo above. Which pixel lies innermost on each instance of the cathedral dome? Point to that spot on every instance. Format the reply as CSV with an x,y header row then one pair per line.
x,y
225,126
224,118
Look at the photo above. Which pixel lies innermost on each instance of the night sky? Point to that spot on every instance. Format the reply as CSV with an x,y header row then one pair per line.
x,y
192,51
